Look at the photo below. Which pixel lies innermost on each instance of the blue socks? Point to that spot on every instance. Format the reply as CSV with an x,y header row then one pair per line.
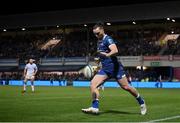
x,y
140,100
95,104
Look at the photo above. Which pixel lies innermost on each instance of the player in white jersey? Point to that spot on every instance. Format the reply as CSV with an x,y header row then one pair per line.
x,y
30,71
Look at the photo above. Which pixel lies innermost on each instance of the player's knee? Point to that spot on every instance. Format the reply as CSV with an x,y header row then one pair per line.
x,y
93,85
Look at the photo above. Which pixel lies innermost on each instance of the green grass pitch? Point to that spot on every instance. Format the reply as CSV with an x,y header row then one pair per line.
x,y
63,104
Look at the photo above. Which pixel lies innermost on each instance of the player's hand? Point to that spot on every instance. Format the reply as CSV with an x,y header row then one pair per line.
x,y
104,54
97,69
97,60
33,77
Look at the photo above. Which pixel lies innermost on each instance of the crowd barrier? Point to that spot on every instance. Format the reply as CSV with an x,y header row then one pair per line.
x,y
36,83
134,84
112,84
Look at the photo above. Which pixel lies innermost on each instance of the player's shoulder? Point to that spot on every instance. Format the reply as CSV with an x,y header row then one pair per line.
x,y
34,64
108,36
27,64
109,39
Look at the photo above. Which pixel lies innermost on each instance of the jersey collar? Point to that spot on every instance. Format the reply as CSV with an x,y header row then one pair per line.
x,y
104,36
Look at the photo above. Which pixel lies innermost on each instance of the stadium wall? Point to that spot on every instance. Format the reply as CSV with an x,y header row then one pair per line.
x,y
134,84
36,83
112,84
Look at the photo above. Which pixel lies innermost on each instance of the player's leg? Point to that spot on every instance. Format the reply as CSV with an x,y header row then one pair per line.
x,y
95,82
32,83
24,84
125,85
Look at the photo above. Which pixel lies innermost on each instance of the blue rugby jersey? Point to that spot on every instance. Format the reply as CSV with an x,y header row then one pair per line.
x,y
103,46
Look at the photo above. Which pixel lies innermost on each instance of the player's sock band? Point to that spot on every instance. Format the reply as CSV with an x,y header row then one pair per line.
x,y
140,100
95,104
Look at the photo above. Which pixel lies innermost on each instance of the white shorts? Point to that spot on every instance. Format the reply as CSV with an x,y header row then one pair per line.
x,y
29,77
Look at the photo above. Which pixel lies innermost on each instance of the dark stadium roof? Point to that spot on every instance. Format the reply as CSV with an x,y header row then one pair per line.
x,y
10,7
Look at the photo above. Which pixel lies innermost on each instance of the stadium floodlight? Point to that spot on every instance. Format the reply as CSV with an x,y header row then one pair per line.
x,y
134,22
173,20
23,29
108,24
141,67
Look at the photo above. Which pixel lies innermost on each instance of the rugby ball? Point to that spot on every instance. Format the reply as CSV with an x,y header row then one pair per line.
x,y
88,72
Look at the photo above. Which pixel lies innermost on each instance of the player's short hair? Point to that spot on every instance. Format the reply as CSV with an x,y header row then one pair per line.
x,y
33,60
99,24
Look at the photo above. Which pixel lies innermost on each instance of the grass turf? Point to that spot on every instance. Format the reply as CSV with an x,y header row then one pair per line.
x,y
63,104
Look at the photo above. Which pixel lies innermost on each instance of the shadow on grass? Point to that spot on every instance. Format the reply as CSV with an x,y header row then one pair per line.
x,y
113,112
117,112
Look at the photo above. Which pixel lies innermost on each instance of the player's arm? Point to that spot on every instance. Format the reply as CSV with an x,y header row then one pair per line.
x,y
25,71
35,70
96,57
113,50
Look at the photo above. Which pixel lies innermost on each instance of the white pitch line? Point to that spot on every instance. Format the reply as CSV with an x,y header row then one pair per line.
x,y
164,119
